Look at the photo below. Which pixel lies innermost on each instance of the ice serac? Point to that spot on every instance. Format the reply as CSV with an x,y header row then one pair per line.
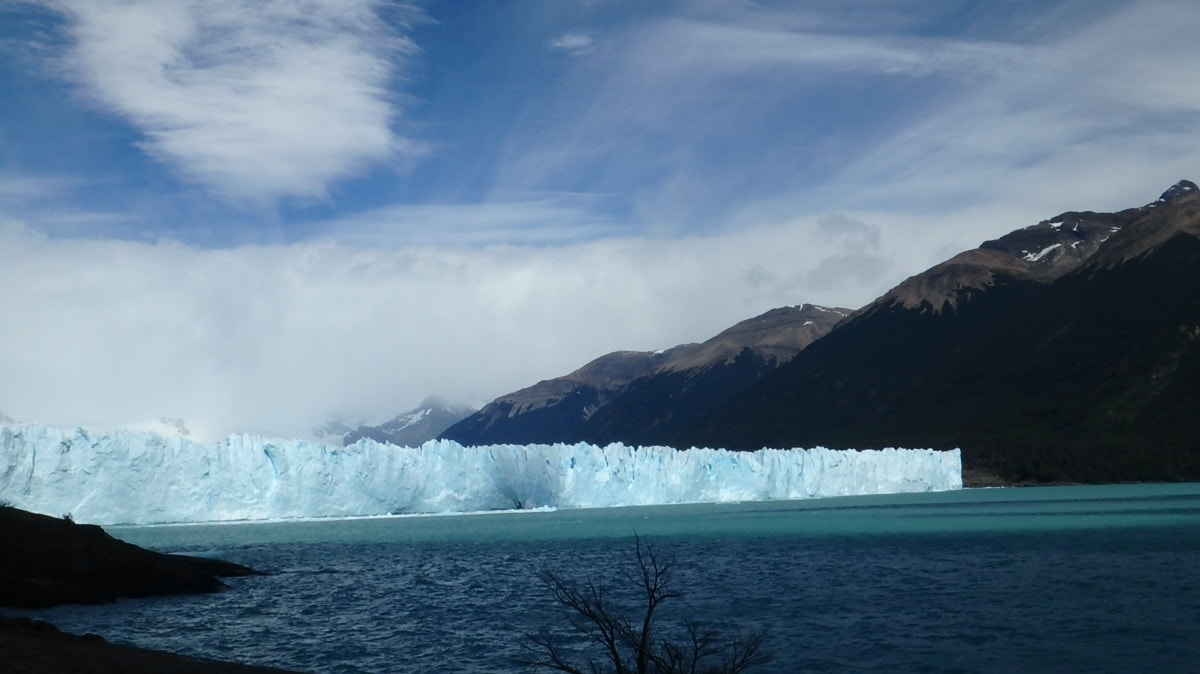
x,y
136,477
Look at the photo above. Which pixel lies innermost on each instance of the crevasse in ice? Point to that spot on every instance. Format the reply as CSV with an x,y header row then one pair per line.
x,y
138,477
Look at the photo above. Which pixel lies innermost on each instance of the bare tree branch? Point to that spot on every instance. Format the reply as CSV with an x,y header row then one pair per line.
x,y
629,649
547,654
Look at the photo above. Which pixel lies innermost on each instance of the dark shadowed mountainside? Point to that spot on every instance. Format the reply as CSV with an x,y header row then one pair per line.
x,y
1065,351
650,394
654,407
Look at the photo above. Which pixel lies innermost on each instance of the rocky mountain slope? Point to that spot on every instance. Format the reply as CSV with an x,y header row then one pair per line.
x,y
637,396
415,427
1065,351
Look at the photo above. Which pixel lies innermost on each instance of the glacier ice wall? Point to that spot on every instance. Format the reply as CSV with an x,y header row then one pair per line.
x,y
137,477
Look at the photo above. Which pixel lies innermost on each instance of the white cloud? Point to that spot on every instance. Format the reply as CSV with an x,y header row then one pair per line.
x,y
275,338
1099,117
692,119
723,49
47,198
575,43
16,188
549,220
862,237
707,122
1096,116
254,101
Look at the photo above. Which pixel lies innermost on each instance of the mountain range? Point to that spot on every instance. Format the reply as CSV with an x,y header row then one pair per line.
x,y
1065,351
647,397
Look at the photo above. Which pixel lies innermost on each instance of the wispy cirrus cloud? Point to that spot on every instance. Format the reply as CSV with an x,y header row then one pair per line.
x,y
1099,115
740,119
692,119
253,101
47,198
686,45
575,43
548,220
17,188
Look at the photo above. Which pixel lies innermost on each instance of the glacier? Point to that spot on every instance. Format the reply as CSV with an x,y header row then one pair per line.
x,y
137,477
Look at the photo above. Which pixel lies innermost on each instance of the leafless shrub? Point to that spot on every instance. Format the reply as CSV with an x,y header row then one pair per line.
x,y
632,646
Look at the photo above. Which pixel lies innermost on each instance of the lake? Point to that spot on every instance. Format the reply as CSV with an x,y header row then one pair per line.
x,y
1038,579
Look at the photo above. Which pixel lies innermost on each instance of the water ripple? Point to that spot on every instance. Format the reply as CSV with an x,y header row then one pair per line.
x,y
975,599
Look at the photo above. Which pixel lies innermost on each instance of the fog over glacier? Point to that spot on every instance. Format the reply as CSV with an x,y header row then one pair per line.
x,y
129,477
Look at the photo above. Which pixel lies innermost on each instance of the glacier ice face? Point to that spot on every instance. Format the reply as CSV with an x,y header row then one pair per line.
x,y
130,477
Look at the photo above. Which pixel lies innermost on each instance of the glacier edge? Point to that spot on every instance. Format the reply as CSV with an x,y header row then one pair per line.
x,y
132,477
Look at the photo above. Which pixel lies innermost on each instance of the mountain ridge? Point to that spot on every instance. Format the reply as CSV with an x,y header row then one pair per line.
x,y
1038,374
1064,351
562,409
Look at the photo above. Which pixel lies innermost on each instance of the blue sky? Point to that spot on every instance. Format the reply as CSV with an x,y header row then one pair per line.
x,y
253,215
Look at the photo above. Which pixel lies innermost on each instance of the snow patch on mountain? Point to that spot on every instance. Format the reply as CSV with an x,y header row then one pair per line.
x,y
1034,257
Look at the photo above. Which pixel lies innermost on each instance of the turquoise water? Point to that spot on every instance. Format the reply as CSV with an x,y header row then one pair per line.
x,y
1035,579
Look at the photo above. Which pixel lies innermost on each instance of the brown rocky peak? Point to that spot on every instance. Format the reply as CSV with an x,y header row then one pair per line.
x,y
1050,249
778,334
1183,188
1177,211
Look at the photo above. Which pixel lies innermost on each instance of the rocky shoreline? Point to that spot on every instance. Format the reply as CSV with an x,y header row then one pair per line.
x,y
45,561
36,647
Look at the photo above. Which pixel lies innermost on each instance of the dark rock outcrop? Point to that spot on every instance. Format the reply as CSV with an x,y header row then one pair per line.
x,y
36,647
46,561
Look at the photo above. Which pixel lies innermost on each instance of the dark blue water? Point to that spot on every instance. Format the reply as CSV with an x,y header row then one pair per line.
x,y
1098,579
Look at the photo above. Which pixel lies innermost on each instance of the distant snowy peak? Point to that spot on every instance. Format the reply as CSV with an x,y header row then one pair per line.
x,y
1045,251
437,402
415,427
